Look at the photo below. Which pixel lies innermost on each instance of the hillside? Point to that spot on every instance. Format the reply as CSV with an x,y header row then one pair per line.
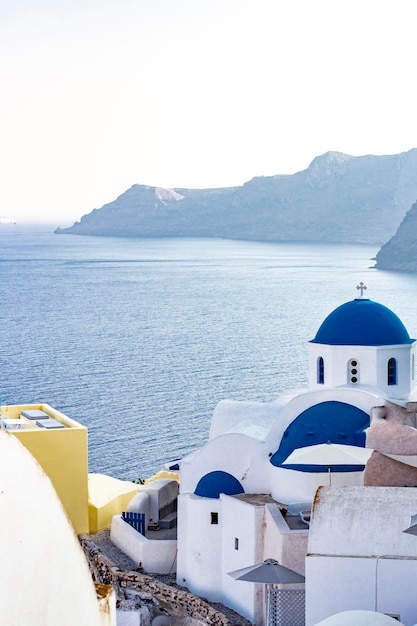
x,y
338,198
400,252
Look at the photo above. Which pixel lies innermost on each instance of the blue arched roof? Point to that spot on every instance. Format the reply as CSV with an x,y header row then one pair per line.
x,y
213,484
333,421
362,322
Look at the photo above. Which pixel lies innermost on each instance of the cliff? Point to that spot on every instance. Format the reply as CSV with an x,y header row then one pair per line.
x,y
400,252
338,198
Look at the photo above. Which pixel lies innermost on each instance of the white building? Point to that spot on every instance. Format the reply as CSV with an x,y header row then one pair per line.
x,y
233,489
44,576
358,556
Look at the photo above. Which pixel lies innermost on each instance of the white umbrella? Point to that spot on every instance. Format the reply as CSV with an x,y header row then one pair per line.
x,y
329,455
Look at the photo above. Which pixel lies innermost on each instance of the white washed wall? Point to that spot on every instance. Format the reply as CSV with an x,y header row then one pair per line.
x,y
199,545
358,556
156,556
244,522
336,584
44,576
236,454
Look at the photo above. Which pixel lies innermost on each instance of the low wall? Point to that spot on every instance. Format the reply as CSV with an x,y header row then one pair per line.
x,y
176,602
156,556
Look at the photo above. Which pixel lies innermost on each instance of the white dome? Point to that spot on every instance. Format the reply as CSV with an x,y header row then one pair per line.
x,y
359,618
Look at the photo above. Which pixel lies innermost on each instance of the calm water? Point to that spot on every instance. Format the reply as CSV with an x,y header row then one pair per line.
x,y
139,339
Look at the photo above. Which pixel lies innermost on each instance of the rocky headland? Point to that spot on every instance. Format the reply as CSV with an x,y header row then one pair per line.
x,y
338,198
400,252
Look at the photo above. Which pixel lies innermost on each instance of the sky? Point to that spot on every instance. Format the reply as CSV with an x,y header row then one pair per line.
x,y
97,95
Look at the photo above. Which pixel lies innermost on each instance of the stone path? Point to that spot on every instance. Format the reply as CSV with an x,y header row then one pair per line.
x,y
112,552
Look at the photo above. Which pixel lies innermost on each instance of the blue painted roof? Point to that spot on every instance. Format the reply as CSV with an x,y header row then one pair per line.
x,y
333,421
214,483
362,322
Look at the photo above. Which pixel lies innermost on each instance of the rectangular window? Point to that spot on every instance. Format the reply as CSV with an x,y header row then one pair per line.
x,y
214,518
236,543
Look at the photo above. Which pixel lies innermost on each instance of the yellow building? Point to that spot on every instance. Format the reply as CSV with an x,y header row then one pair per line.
x,y
59,444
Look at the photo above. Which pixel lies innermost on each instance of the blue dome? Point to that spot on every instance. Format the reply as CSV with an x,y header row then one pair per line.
x,y
362,322
213,484
333,421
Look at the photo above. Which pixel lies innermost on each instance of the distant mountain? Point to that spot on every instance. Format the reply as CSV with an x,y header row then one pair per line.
x,y
400,252
338,198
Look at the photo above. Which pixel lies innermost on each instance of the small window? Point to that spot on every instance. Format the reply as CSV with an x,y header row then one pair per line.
x,y
320,371
236,543
353,371
214,517
392,372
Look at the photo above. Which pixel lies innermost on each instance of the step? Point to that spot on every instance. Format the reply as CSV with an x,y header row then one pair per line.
x,y
169,521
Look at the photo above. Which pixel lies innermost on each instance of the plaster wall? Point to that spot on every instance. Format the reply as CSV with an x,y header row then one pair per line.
x,y
372,366
251,418
404,379
199,545
363,521
236,454
44,578
208,552
288,547
327,353
290,486
155,556
140,503
161,493
336,584
242,545
358,556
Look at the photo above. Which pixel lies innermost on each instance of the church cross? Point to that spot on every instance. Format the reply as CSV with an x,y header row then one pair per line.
x,y
362,287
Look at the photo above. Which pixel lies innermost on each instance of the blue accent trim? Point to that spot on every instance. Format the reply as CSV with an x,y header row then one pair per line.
x,y
362,323
213,484
136,520
392,372
320,370
333,421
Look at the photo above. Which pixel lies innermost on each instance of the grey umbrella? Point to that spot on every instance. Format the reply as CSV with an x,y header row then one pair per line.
x,y
268,572
412,528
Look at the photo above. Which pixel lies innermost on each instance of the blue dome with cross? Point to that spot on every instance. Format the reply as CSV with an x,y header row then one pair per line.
x,y
362,322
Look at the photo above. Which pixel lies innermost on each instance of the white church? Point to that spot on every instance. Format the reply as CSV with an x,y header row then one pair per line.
x,y
240,503
242,499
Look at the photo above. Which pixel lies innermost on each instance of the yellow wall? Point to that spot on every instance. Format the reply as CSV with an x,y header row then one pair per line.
x,y
63,455
107,497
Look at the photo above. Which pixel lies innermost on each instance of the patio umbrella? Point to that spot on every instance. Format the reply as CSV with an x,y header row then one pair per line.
x,y
329,455
269,572
412,528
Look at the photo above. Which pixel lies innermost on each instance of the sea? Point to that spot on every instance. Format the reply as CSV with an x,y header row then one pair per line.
x,y
139,339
